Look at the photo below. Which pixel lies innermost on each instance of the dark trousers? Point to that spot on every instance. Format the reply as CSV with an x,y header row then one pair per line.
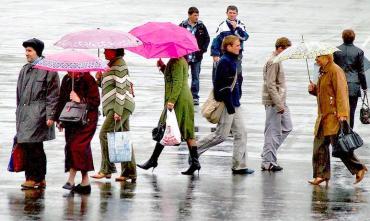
x,y
34,161
321,157
352,104
195,71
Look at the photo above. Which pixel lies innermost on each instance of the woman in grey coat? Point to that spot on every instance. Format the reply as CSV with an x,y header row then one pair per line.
x,y
37,98
351,59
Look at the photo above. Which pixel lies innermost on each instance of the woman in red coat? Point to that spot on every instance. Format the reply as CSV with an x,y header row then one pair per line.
x,y
78,156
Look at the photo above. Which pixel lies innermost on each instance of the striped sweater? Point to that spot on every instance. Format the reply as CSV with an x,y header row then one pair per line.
x,y
116,88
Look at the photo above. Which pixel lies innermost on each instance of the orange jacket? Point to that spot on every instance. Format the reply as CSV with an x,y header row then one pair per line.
x,y
332,99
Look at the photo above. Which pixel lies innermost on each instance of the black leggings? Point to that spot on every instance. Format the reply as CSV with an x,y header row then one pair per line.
x,y
34,161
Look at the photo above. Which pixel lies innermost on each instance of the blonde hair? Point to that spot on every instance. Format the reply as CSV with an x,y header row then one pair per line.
x,y
228,40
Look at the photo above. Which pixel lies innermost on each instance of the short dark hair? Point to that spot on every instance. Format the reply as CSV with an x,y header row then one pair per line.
x,y
283,42
348,36
193,10
231,8
120,52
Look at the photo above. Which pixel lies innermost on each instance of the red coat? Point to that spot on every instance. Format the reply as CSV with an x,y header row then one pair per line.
x,y
78,138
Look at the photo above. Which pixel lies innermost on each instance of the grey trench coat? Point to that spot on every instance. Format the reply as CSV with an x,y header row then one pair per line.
x,y
37,98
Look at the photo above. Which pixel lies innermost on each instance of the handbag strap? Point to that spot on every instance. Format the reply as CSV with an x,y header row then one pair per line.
x,y
365,101
115,124
234,82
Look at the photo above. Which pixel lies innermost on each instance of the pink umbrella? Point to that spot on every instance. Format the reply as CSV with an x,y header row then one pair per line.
x,y
74,61
163,40
98,38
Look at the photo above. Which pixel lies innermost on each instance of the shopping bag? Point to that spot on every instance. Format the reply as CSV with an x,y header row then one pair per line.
x,y
172,135
119,147
16,163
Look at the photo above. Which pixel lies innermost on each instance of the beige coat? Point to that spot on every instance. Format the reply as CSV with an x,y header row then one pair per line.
x,y
332,99
274,87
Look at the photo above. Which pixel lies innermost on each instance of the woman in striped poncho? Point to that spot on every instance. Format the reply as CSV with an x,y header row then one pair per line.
x,y
118,105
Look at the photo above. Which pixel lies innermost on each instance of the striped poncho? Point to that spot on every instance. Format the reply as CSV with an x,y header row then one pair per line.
x,y
116,88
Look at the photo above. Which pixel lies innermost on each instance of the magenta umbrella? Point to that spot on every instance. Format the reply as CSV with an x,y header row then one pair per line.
x,y
163,40
72,61
98,38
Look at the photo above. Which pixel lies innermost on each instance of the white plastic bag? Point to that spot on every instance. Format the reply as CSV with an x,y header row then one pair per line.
x,y
119,147
172,135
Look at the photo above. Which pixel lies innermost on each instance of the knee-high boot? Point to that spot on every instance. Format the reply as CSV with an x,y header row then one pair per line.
x,y
194,165
153,160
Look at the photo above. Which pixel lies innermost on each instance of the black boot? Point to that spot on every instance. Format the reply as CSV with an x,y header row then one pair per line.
x,y
153,160
194,165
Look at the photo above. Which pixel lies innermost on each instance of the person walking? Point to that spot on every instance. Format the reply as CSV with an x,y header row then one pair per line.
x,y
37,98
333,107
278,122
199,30
118,105
177,97
80,88
351,59
230,26
227,88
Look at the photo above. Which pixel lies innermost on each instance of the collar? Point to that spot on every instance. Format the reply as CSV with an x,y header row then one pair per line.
x,y
36,61
111,62
231,55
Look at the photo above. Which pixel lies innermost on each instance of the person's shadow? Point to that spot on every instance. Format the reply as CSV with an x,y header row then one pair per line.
x,y
127,190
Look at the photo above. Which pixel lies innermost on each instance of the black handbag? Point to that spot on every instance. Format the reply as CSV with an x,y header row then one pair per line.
x,y
365,110
347,140
74,113
158,132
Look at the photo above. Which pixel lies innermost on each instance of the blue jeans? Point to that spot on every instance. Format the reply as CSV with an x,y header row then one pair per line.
x,y
195,70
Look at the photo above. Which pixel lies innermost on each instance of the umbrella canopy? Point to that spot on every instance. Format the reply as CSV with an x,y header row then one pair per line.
x,y
306,50
98,38
163,40
73,61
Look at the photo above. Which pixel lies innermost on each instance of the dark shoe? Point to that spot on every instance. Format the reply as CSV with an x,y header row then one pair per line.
x,y
275,168
82,189
196,102
243,171
194,165
272,168
153,160
68,186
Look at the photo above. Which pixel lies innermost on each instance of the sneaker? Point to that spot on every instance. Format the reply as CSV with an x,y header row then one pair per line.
x,y
243,171
196,102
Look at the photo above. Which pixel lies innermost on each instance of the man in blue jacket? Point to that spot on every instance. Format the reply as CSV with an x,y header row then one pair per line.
x,y
199,30
231,26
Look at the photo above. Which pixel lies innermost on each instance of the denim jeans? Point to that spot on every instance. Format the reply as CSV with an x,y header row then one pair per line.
x,y
195,70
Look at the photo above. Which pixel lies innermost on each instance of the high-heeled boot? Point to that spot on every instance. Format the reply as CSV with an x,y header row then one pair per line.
x,y
153,160
194,165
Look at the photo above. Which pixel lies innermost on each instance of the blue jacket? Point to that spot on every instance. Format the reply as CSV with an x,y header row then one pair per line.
x,y
225,74
226,29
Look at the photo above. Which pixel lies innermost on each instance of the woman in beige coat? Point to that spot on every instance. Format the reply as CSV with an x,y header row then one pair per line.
x,y
333,107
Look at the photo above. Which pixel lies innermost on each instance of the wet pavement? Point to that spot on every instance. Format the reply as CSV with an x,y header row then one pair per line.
x,y
166,194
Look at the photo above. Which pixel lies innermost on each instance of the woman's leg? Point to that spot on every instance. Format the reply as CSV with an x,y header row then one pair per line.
x,y
321,157
108,126
85,178
194,157
71,177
